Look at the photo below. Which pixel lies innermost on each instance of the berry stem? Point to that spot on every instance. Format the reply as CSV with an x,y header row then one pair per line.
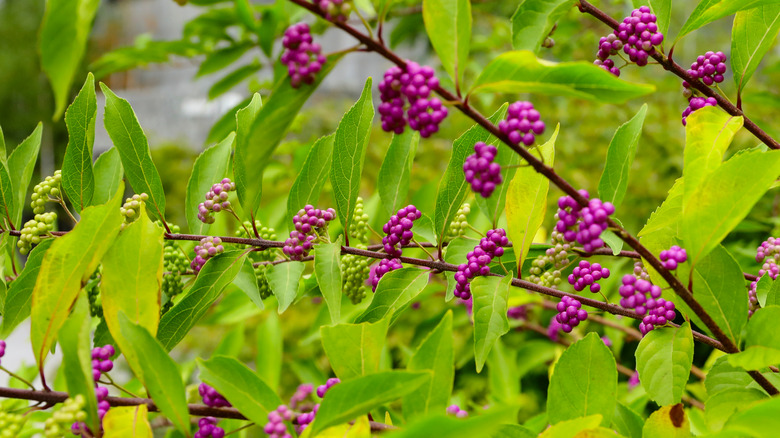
x,y
17,377
117,386
67,211
423,248
233,213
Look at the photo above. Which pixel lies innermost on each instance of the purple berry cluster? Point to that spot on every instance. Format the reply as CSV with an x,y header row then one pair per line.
x,y
101,360
398,230
697,103
570,313
592,220
477,261
523,123
301,394
2,349
322,389
101,393
209,247
608,46
413,85
517,313
768,253
456,411
216,200
481,172
633,381
335,10
275,428
307,222
634,294
379,270
637,35
304,419
660,312
708,68
207,427
586,274
554,329
301,55
212,398
673,256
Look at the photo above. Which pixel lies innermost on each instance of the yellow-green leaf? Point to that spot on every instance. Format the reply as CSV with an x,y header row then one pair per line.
x,y
667,422
127,422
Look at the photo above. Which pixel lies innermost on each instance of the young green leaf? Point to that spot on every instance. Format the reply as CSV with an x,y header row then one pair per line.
x,y
663,12
522,72
534,19
753,34
354,349
721,406
270,347
246,280
503,376
435,353
490,297
620,155
627,422
127,421
668,422
21,164
490,423
396,170
349,154
708,11
216,274
526,202
760,420
7,196
493,206
240,386
63,41
70,260
327,268
724,376
584,382
227,123
715,279
221,58
314,174
663,359
234,78
156,369
129,139
453,187
394,293
76,358
355,397
19,297
78,180
108,175
576,427
283,279
448,23
209,168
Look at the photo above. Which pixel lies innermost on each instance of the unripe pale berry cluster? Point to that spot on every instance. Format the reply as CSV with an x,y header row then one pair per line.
x,y
67,417
93,293
634,293
11,424
456,411
477,261
101,360
132,207
673,256
697,103
354,271
265,233
585,275
209,247
459,224
557,256
398,230
335,10
523,123
708,68
216,200
211,397
307,222
48,190
207,427
302,56
481,172
570,313
592,220
35,230
413,85
359,227
379,270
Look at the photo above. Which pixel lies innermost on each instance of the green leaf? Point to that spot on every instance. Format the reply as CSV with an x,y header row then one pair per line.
x,y
63,40
663,11
761,420
513,431
354,349
667,422
526,202
759,329
755,357
620,157
708,11
453,187
435,353
721,406
349,154
393,294
108,175
723,376
353,398
283,279
19,298
396,170
534,19
21,164
78,180
68,263
448,23
314,174
627,422
240,386
234,78
227,123
76,358
572,428
221,58
490,423
209,168
327,268
270,348
503,375
522,72
455,253
753,34
216,274
7,195
266,130
493,206
131,281
715,279
158,372
246,280
584,382
129,138
663,359
724,198
490,296
127,421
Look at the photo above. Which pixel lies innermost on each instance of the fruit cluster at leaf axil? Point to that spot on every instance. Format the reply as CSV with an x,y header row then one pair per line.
x,y
93,294
49,190
459,224
131,209
359,228
35,230
66,419
260,259
174,265
354,272
11,424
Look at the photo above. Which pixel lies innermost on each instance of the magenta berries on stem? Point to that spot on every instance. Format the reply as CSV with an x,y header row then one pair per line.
x,y
592,220
379,270
101,360
207,427
212,398
216,200
335,10
477,261
637,35
413,85
634,293
768,253
330,383
209,247
276,427
708,68
660,312
301,394
456,411
673,256
570,313
301,55
2,349
307,223
523,123
585,275
398,230
481,171
697,103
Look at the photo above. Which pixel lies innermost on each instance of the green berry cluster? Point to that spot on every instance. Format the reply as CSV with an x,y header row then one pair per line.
x,y
266,233
174,263
262,281
59,424
93,293
35,230
354,271
359,228
48,190
460,224
10,424
557,256
132,207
